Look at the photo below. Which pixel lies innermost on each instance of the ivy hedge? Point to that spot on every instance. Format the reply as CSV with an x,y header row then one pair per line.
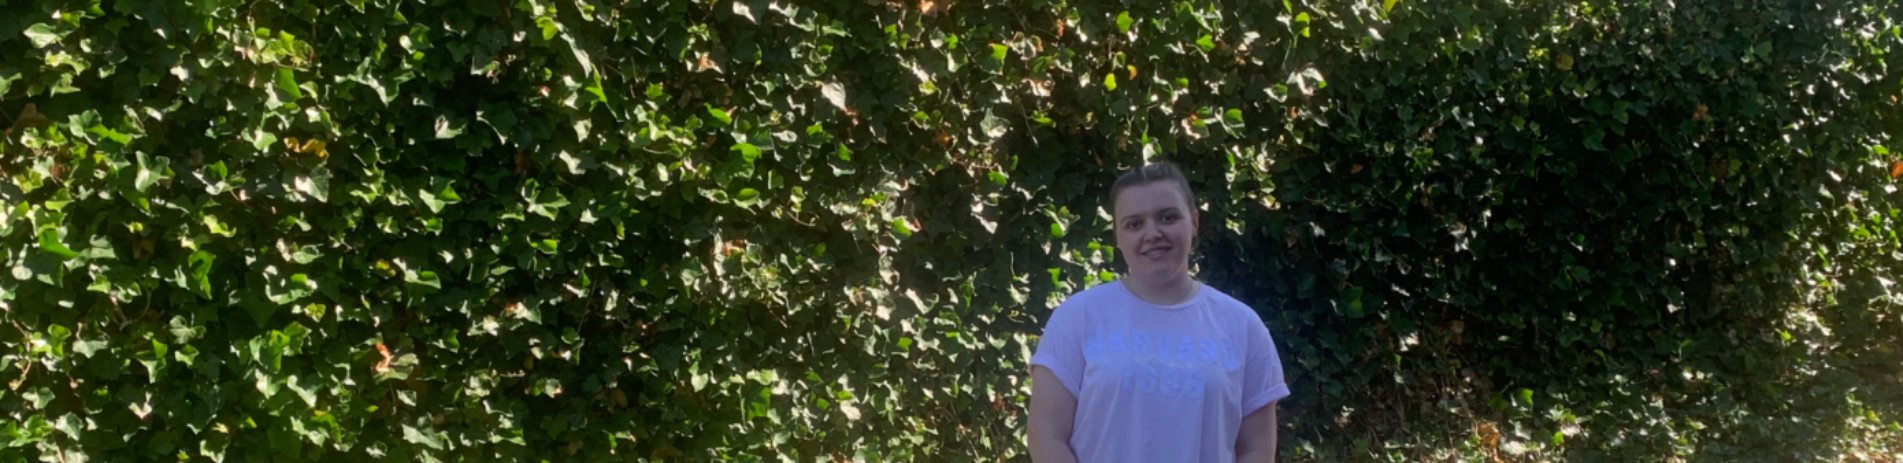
x,y
823,230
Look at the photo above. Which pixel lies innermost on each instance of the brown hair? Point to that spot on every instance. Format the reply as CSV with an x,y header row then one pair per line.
x,y
1152,173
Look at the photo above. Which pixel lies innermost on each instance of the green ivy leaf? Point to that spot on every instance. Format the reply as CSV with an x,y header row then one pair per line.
x,y
317,184
548,27
901,229
721,118
554,426
1232,118
741,9
213,445
70,424
200,265
748,152
441,193
42,35
50,242
1351,303
155,361
834,92
424,278
261,139
285,441
89,347
7,78
1124,22
747,197
548,203
287,83
994,126
414,435
447,129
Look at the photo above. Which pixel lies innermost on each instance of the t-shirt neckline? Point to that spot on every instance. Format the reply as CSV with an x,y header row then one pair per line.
x,y
1193,298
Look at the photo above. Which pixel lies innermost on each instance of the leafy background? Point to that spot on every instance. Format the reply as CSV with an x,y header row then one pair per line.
x,y
831,230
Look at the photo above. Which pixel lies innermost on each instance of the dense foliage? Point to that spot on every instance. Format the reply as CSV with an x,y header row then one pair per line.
x,y
820,230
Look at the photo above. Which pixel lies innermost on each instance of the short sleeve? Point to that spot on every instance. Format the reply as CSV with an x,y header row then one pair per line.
x,y
1262,378
1061,348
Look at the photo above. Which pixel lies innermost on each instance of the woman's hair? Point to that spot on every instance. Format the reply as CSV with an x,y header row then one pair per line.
x,y
1152,173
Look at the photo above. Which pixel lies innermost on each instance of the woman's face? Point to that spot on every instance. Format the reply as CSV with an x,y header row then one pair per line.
x,y
1155,228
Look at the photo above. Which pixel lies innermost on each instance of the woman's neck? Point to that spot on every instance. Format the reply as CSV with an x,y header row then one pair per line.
x,y
1168,292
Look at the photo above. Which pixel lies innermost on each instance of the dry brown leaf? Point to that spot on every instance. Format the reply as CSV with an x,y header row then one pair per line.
x,y
1489,437
730,247
384,366
30,117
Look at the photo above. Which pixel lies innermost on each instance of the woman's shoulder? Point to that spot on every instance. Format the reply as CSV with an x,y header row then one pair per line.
x,y
1228,306
1075,309
1094,296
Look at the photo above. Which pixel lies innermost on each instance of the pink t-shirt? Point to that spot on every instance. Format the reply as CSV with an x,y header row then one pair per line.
x,y
1160,383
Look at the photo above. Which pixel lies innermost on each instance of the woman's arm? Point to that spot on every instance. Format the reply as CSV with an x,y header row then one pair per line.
x,y
1255,442
1053,412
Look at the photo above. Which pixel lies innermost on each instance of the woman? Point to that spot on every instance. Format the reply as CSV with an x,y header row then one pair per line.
x,y
1155,367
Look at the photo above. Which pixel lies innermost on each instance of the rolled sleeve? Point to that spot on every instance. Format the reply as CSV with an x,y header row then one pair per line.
x,y
1263,383
1061,348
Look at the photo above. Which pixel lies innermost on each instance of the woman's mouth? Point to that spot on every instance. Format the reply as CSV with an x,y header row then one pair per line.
x,y
1156,252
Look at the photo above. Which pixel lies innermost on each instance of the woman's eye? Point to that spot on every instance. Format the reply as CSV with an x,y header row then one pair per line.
x,y
1132,225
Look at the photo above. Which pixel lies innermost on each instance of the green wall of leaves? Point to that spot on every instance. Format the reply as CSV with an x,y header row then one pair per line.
x,y
814,230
